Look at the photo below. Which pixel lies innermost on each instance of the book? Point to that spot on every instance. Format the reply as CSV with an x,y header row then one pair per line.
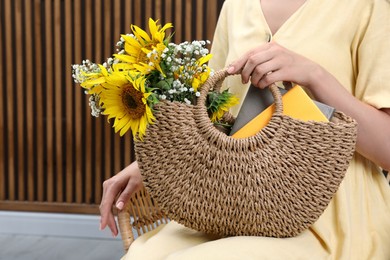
x,y
258,108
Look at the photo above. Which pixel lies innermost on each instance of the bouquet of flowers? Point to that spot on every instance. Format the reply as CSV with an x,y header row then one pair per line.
x,y
147,69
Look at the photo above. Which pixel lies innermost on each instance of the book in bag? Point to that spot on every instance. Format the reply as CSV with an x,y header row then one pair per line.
x,y
257,109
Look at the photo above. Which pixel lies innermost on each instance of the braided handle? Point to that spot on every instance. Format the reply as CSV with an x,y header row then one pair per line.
x,y
215,82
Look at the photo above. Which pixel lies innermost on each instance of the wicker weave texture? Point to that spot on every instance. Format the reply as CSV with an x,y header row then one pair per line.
x,y
276,183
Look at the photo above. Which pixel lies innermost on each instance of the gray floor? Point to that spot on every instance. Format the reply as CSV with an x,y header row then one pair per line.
x,y
22,247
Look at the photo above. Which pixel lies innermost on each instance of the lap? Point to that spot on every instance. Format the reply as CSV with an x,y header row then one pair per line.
x,y
174,241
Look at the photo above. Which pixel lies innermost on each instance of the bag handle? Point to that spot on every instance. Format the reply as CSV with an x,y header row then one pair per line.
x,y
215,82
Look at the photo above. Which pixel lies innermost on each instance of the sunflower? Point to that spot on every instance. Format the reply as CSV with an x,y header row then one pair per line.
x,y
220,103
203,75
94,80
125,99
143,51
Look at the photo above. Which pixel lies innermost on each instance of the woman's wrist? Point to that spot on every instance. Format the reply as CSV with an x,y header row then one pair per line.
x,y
317,76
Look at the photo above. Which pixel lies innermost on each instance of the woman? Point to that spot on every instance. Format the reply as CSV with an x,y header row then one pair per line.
x,y
337,50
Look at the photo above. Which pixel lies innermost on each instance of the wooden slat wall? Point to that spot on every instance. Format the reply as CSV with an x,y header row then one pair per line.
x,y
53,155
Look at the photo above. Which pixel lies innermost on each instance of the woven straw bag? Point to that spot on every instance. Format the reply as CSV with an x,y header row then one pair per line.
x,y
276,183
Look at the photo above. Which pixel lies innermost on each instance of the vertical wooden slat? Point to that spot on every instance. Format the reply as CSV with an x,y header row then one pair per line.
x,y
9,84
87,190
78,107
212,11
168,11
97,122
116,154
137,13
3,130
158,8
107,53
128,18
199,19
188,21
148,12
178,21
49,75
19,88
58,170
117,23
39,149
117,33
99,150
69,106
29,92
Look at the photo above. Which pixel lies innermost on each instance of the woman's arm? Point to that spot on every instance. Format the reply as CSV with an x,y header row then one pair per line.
x,y
271,62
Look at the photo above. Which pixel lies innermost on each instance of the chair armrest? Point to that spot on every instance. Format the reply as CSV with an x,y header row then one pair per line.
x,y
140,215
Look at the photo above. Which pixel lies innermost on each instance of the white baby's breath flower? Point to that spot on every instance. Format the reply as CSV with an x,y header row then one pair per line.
x,y
204,52
176,84
189,49
94,104
187,101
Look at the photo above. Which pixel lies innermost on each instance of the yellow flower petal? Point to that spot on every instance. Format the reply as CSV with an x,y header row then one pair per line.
x,y
204,59
140,34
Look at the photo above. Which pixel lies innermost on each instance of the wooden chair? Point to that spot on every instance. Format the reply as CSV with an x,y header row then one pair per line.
x,y
140,215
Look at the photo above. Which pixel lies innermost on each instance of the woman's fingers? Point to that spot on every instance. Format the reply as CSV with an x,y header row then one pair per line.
x,y
261,64
269,79
262,71
111,223
257,65
110,191
120,186
246,63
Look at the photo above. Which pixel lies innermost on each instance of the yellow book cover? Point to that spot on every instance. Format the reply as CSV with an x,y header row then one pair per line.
x,y
296,104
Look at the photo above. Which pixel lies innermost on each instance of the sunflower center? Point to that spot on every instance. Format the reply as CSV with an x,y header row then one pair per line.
x,y
132,101
141,57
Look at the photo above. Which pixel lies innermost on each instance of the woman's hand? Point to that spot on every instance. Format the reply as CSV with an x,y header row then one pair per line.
x,y
270,63
120,186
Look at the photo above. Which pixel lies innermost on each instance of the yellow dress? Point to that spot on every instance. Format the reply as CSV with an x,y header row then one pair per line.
x,y
351,39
